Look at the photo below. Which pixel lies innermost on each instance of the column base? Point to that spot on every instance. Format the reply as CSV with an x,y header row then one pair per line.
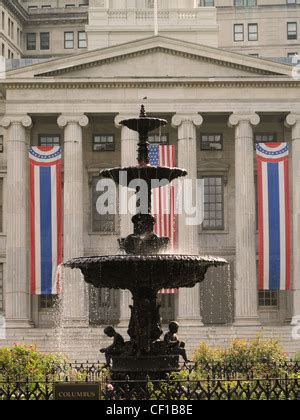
x,y
75,323
295,321
247,322
14,324
188,322
124,323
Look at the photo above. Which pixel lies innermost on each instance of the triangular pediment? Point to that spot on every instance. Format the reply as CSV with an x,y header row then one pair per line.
x,y
155,57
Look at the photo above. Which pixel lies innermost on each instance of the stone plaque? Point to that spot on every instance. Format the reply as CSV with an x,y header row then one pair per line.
x,y
76,392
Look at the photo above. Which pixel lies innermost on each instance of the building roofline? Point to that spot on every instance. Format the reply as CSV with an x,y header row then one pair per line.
x,y
15,7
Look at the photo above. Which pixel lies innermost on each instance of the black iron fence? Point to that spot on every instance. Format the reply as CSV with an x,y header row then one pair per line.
x,y
203,381
87,371
209,389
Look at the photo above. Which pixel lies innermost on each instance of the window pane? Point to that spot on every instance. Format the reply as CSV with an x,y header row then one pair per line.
x,y
69,40
159,139
45,40
82,40
213,203
268,298
266,138
48,301
49,140
31,41
212,142
104,143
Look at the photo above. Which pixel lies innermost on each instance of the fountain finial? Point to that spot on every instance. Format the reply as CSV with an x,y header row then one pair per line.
x,y
143,113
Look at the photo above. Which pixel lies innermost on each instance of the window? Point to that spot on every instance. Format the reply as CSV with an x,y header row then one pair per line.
x,y
213,203
265,138
159,139
49,140
268,298
69,40
100,223
48,301
1,144
253,32
206,3
82,40
238,32
45,40
31,41
292,30
1,289
211,142
245,3
104,143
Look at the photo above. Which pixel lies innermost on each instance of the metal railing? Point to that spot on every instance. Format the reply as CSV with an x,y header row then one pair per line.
x,y
201,381
209,389
95,371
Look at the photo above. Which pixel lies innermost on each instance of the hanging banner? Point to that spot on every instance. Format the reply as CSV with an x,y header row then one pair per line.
x,y
273,216
45,219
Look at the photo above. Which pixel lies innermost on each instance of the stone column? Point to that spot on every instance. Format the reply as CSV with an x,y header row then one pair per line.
x,y
188,241
293,121
75,308
17,296
129,142
246,283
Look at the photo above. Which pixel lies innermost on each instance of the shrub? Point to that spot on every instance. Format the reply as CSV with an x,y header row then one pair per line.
x,y
297,357
24,362
258,357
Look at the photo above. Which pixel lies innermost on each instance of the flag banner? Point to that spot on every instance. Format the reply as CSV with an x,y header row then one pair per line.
x,y
274,270
163,201
45,219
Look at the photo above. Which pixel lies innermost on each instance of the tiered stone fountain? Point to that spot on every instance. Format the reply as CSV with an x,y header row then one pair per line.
x,y
145,269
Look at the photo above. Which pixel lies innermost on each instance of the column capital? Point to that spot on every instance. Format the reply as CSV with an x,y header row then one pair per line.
x,y
236,118
292,119
9,120
80,119
122,117
179,119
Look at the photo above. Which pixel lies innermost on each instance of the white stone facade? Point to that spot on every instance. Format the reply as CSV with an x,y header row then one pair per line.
x,y
201,90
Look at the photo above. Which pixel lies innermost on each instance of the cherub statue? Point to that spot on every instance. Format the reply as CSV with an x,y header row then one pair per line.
x,y
174,345
116,348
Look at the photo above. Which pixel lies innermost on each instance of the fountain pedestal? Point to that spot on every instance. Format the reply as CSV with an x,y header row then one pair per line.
x,y
154,367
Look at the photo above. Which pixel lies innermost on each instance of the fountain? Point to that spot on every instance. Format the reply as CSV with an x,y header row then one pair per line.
x,y
144,269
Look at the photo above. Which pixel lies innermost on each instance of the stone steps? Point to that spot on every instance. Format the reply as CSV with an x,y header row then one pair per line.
x,y
84,343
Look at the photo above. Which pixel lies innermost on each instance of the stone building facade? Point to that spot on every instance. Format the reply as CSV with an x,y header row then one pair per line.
x,y
219,74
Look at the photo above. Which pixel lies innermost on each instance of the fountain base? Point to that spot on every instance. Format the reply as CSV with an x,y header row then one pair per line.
x,y
143,367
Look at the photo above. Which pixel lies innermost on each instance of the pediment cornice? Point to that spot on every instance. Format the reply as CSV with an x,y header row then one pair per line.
x,y
131,83
154,50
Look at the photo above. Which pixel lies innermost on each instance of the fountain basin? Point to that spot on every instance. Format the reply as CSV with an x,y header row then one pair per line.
x,y
144,124
146,173
129,272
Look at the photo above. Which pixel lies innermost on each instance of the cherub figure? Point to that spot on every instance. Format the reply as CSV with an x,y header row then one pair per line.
x,y
174,345
116,348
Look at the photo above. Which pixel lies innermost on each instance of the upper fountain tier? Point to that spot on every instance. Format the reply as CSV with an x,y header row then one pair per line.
x,y
143,125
